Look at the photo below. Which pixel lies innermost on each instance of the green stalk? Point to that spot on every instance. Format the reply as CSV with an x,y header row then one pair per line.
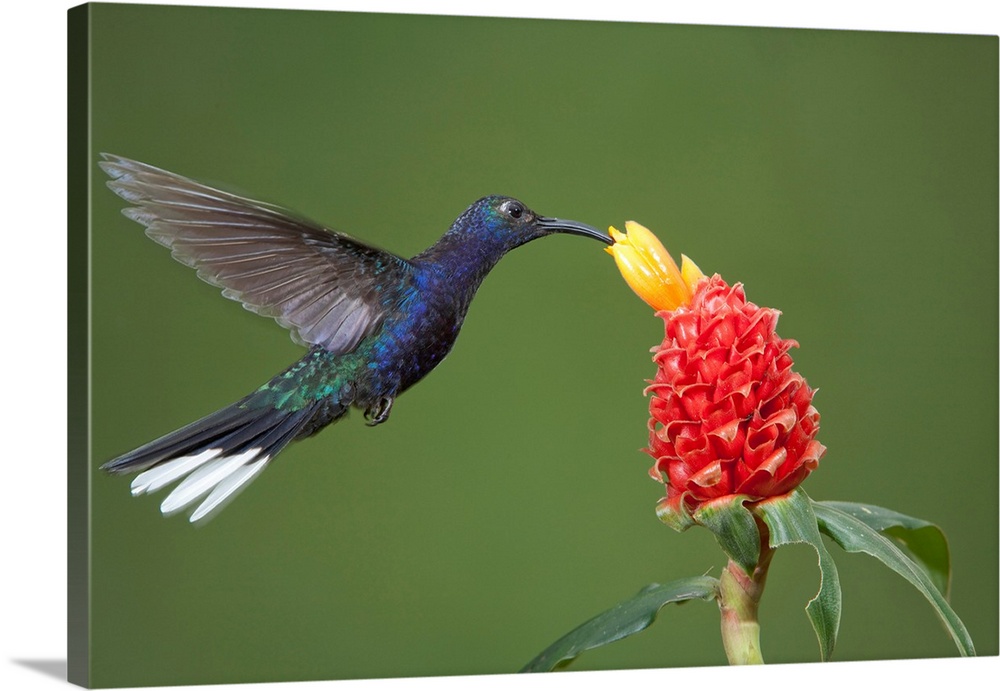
x,y
739,597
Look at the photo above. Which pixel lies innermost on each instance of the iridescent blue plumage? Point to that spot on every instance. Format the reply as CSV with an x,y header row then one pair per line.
x,y
374,323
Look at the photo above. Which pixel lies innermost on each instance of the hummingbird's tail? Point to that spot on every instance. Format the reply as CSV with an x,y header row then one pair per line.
x,y
217,455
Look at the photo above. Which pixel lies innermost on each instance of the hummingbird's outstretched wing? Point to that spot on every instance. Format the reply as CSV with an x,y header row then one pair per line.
x,y
321,285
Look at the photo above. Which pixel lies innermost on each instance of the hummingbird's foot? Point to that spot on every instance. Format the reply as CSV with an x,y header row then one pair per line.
x,y
379,412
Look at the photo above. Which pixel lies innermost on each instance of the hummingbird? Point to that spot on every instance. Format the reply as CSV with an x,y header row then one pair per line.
x,y
373,323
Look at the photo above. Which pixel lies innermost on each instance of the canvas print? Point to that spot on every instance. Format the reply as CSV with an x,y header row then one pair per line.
x,y
419,345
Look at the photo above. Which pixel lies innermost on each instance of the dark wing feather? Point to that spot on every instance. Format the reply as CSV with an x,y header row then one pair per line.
x,y
321,285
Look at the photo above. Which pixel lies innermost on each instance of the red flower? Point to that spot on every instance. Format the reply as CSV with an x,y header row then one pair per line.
x,y
728,414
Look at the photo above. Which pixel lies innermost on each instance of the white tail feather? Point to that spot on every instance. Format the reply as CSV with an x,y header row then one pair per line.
x,y
165,473
204,479
228,487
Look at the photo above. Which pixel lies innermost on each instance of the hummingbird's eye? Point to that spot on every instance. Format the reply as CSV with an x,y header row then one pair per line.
x,y
513,209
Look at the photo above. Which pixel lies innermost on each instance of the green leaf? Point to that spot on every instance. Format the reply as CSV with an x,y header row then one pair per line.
x,y
920,539
675,515
624,619
855,535
790,519
734,527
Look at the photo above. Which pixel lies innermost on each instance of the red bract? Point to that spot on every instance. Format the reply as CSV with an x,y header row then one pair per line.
x,y
728,414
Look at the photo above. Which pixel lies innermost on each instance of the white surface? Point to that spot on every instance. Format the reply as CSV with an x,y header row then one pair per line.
x,y
33,613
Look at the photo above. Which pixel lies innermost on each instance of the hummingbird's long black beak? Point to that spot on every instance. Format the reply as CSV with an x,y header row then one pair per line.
x,y
561,225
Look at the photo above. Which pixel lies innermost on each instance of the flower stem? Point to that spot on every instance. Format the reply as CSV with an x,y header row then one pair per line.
x,y
739,596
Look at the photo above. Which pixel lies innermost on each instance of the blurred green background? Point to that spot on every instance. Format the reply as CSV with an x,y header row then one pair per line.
x,y
846,178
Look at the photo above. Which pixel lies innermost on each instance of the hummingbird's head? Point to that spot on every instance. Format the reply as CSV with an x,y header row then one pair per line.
x,y
487,230
506,223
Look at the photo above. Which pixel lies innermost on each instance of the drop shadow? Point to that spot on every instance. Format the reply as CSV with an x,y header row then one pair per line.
x,y
50,668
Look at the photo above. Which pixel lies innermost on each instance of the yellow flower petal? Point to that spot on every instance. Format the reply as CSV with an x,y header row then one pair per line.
x,y
690,273
649,269
652,250
638,274
616,234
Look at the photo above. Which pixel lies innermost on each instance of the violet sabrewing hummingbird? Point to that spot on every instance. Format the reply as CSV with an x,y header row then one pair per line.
x,y
374,323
